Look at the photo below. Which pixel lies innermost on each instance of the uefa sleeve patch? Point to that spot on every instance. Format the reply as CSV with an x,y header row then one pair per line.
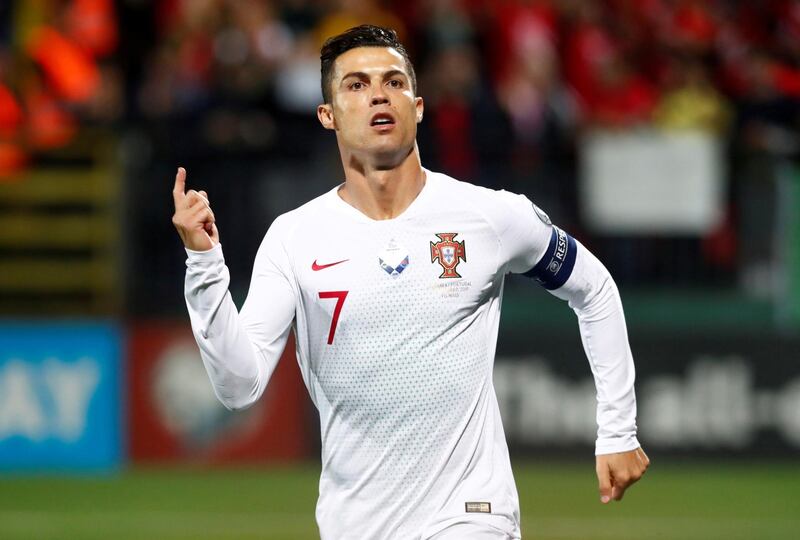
x,y
555,267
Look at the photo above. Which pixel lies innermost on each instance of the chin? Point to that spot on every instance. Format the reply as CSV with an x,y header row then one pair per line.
x,y
390,155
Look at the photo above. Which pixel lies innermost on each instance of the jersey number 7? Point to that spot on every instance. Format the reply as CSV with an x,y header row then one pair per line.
x,y
340,296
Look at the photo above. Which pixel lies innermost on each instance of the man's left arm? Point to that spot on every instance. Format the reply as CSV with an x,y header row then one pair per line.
x,y
533,246
570,272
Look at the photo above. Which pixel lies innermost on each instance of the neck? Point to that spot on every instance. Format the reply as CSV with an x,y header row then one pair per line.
x,y
381,191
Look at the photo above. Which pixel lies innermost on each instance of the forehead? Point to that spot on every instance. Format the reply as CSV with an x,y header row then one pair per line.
x,y
370,60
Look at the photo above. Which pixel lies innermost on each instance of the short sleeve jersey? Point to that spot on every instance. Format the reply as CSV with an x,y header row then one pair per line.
x,y
396,325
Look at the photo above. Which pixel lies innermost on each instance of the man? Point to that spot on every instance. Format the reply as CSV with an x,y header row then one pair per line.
x,y
392,282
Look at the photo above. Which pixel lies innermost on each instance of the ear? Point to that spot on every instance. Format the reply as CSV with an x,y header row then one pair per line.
x,y
325,115
420,106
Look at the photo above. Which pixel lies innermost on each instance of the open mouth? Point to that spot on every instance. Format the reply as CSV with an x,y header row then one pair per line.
x,y
382,119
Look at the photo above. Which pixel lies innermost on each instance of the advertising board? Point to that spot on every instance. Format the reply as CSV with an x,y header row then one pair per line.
x,y
60,403
706,394
175,417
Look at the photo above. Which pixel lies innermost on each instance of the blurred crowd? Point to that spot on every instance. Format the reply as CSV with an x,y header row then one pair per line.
x,y
547,67
57,74
509,85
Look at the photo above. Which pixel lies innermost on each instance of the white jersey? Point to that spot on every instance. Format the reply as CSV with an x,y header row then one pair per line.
x,y
396,325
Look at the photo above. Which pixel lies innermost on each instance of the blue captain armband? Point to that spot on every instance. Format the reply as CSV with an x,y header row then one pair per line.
x,y
555,266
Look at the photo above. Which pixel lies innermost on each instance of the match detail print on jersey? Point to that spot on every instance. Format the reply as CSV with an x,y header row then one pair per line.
x,y
555,267
449,252
317,267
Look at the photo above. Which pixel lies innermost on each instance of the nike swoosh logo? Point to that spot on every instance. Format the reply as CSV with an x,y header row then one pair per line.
x,y
317,267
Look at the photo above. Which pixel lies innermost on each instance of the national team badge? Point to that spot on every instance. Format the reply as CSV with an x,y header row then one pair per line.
x,y
449,252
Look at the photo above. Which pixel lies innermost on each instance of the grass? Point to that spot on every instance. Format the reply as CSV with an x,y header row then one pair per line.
x,y
558,502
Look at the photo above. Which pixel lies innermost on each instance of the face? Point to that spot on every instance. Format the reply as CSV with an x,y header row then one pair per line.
x,y
373,108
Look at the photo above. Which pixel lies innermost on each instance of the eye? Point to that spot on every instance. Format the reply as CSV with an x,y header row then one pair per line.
x,y
396,83
358,85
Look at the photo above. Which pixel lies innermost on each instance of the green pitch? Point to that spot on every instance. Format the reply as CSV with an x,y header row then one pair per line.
x,y
559,502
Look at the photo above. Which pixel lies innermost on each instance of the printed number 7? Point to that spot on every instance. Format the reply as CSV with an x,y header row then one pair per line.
x,y
340,296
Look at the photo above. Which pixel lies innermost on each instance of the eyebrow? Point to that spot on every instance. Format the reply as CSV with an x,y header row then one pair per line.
x,y
361,75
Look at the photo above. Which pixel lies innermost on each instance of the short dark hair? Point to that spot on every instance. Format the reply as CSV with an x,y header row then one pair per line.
x,y
366,35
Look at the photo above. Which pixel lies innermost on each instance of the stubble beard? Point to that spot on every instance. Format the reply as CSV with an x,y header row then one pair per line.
x,y
381,158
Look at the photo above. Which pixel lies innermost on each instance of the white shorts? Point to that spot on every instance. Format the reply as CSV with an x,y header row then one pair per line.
x,y
473,531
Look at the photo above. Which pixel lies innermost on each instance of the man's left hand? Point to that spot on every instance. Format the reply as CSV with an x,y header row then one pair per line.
x,y
617,472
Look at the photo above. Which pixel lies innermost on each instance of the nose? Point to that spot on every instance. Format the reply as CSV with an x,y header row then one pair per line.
x,y
379,97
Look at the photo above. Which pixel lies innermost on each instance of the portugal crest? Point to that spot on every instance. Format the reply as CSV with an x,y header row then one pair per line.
x,y
449,252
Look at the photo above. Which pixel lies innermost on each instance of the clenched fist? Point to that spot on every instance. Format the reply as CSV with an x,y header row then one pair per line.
x,y
617,472
193,216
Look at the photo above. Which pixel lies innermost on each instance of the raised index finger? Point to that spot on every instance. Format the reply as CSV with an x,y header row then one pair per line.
x,y
179,191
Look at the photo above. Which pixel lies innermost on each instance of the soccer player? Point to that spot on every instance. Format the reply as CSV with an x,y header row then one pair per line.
x,y
392,282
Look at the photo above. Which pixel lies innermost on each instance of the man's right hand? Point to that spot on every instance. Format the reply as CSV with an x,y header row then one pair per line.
x,y
193,216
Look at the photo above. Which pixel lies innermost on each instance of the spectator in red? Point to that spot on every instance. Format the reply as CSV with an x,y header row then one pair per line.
x,y
522,29
589,46
624,98
12,155
526,66
694,25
